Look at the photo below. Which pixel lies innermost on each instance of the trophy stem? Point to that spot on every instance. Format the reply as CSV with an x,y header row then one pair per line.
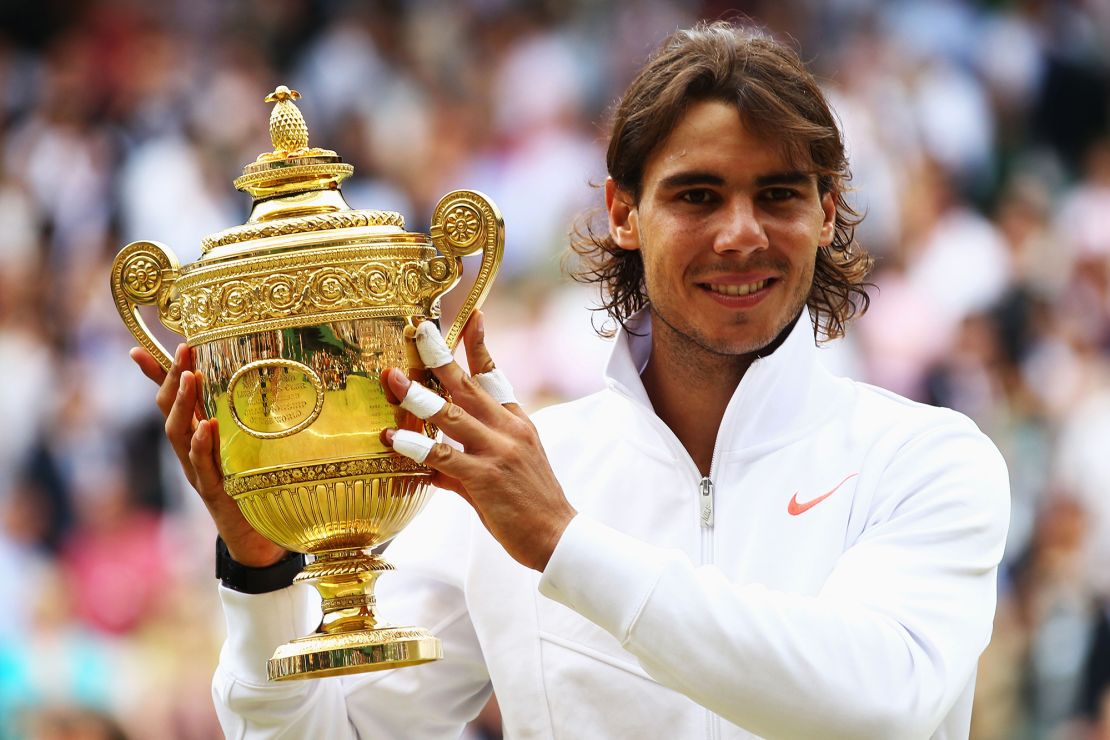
x,y
345,580
350,639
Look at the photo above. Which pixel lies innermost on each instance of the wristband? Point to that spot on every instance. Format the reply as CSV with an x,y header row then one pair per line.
x,y
248,580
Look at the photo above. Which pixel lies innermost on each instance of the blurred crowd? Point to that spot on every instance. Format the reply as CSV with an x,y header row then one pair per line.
x,y
979,134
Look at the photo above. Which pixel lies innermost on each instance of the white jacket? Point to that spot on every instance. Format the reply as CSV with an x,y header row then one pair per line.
x,y
793,614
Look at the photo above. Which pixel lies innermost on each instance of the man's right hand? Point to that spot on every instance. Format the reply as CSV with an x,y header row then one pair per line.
x,y
196,442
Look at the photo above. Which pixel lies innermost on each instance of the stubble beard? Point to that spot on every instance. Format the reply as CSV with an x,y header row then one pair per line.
x,y
690,347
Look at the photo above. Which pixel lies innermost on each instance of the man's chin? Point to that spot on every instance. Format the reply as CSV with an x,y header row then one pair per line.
x,y
754,341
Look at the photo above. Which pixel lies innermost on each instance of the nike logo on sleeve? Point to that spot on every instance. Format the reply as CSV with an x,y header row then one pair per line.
x,y
794,508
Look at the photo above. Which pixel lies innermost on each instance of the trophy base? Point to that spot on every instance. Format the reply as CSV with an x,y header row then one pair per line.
x,y
346,653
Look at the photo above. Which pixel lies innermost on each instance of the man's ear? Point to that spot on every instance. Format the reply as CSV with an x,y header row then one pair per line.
x,y
828,227
623,217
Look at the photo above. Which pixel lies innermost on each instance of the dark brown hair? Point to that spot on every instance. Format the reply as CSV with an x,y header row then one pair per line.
x,y
781,102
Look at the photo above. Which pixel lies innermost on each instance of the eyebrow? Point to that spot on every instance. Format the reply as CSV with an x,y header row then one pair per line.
x,y
685,179
794,177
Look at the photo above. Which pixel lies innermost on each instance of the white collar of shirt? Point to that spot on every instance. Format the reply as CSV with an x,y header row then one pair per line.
x,y
780,395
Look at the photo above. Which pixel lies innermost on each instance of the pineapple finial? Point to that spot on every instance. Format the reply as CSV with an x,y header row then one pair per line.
x,y
288,131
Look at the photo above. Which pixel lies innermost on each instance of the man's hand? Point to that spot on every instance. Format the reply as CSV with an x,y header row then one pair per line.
x,y
502,470
196,441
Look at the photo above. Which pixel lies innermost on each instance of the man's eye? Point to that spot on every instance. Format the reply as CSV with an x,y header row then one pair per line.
x,y
697,197
779,194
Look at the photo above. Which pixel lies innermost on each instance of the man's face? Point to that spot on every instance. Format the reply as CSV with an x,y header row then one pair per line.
x,y
728,230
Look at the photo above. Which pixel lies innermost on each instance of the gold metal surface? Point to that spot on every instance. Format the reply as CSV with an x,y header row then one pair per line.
x,y
321,222
291,319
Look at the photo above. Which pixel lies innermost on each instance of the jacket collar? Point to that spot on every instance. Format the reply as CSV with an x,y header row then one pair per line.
x,y
780,396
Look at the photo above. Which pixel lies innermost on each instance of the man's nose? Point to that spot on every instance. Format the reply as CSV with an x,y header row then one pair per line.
x,y
741,229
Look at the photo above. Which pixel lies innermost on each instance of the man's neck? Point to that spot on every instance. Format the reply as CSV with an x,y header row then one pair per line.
x,y
690,387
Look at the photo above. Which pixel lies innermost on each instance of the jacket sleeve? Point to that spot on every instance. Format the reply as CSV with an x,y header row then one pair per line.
x,y
434,700
883,651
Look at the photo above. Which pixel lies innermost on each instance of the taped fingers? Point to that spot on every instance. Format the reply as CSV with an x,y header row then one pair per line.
x,y
464,389
497,386
413,445
452,465
421,402
431,345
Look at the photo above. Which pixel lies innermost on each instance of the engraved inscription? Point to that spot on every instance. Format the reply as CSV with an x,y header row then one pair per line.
x,y
275,398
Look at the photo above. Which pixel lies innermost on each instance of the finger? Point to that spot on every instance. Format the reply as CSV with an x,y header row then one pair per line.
x,y
493,381
436,455
419,401
499,388
384,380
180,422
204,455
412,445
149,366
451,418
463,389
474,341
447,483
402,418
167,394
432,347
198,409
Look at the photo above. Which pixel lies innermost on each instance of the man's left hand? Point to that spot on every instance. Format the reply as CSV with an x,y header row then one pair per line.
x,y
502,470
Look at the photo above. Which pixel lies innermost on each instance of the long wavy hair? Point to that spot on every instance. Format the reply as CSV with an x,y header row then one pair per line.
x,y
780,101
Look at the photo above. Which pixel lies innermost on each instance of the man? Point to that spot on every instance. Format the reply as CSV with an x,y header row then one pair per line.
x,y
727,541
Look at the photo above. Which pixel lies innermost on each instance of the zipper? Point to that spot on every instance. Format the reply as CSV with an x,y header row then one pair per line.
x,y
706,502
706,506
706,492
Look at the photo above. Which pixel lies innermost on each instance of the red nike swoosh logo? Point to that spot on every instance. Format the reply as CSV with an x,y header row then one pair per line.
x,y
794,508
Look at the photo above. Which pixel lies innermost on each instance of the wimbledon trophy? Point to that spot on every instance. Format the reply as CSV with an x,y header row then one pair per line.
x,y
291,319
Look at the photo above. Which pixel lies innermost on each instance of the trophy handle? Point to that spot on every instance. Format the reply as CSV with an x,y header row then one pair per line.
x,y
142,274
463,222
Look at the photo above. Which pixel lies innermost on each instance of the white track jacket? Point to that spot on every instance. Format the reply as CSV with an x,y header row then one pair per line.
x,y
833,577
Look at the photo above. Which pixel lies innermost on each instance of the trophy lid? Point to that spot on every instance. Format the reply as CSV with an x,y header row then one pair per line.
x,y
295,187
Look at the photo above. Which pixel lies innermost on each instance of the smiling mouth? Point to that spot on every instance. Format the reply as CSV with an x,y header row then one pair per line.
x,y
736,290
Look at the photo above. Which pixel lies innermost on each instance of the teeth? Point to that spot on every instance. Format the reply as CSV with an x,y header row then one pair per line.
x,y
737,289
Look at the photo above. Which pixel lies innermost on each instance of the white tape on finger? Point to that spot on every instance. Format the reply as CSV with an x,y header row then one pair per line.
x,y
432,346
497,385
412,444
422,402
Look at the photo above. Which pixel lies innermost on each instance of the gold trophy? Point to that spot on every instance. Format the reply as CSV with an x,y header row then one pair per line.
x,y
291,319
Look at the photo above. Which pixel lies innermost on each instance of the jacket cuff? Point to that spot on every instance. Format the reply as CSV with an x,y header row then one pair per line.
x,y
603,574
258,623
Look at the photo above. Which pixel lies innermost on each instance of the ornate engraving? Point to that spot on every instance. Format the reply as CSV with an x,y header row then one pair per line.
x,y
463,224
288,131
452,234
363,638
237,486
302,224
359,563
383,636
348,602
144,273
275,398
302,171
142,276
331,284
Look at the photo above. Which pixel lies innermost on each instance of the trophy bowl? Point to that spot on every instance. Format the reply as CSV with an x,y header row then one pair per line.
x,y
291,319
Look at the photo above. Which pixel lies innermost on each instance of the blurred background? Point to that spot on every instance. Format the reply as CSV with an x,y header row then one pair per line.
x,y
979,134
